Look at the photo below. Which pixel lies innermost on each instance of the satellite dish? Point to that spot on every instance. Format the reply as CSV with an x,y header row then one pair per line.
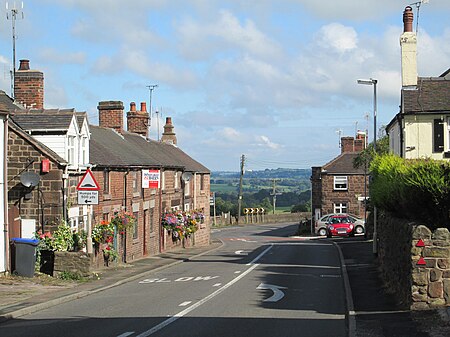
x,y
30,179
186,176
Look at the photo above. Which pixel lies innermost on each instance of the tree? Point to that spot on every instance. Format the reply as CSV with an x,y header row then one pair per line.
x,y
365,157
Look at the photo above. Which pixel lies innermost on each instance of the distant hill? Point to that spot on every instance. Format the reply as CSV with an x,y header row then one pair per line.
x,y
278,173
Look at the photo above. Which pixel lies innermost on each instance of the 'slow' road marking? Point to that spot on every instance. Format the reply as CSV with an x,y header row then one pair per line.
x,y
175,317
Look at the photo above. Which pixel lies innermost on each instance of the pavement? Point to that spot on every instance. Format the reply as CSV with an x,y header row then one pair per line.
x,y
372,312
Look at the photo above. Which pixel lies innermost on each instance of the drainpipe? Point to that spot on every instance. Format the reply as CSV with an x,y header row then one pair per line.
x,y
5,192
65,179
125,208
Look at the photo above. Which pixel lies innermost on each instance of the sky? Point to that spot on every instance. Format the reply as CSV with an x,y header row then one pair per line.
x,y
274,80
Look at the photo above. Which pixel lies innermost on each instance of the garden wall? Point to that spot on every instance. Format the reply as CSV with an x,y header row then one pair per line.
x,y
415,262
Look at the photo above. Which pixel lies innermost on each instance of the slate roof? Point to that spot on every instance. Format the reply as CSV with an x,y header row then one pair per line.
x,y
343,164
8,102
44,121
110,149
431,96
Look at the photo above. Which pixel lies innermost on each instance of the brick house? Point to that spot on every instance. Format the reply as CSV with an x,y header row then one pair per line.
x,y
338,187
119,158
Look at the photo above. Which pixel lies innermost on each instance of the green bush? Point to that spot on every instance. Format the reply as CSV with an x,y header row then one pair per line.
x,y
413,189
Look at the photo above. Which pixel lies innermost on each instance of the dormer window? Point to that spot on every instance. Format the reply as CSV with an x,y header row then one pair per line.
x,y
84,153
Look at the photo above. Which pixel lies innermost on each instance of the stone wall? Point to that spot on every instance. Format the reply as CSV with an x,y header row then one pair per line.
x,y
74,262
430,258
414,262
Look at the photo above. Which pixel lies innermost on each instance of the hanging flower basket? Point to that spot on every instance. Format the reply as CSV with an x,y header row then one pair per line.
x,y
181,225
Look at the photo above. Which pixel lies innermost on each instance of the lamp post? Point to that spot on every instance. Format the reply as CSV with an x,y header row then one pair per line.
x,y
373,82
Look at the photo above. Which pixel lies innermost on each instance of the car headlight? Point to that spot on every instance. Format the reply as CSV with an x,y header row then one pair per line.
x,y
330,228
351,226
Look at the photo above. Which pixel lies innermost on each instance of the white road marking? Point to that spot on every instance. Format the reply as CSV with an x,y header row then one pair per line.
x,y
126,334
237,272
241,252
185,303
277,293
184,312
330,275
217,284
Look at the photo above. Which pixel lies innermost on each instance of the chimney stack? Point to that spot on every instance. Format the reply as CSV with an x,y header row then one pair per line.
x,y
347,144
29,86
110,115
168,135
137,121
408,44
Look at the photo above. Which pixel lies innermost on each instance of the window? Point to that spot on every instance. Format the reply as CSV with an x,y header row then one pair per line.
x,y
340,183
106,182
187,187
163,180
135,182
136,226
438,135
71,150
340,208
84,157
176,183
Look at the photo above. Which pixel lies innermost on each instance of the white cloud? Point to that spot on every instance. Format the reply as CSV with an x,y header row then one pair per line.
x,y
338,37
55,56
266,142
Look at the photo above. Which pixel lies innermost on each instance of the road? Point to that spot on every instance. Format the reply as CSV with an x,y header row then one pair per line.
x,y
260,282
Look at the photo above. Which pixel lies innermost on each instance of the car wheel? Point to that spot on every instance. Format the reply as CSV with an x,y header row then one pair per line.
x,y
359,230
322,232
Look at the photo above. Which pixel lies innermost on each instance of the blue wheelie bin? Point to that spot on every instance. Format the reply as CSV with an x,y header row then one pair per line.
x,y
24,256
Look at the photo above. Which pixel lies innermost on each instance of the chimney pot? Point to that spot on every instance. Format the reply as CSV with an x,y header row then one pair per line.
x,y
143,106
24,65
408,18
168,120
132,106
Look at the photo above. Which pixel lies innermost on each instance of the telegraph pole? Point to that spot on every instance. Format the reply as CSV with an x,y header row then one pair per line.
x,y
150,87
13,17
240,186
274,194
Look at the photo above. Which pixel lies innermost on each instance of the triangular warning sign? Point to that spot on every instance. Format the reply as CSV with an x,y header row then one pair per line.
x,y
421,262
420,243
88,182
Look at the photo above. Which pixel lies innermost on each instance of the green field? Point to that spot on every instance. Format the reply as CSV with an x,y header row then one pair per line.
x,y
223,188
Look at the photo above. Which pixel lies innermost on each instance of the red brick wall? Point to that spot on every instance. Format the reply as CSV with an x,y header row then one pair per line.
x,y
110,115
29,88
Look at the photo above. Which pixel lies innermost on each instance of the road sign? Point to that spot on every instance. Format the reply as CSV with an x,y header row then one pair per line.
x,y
88,182
87,197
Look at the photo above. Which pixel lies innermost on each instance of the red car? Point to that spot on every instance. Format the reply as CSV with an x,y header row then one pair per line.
x,y
340,225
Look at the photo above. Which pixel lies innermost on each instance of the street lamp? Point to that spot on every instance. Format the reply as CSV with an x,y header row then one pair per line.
x,y
373,82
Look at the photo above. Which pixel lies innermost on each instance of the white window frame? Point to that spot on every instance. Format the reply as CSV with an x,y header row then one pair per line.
x,y
448,134
176,180
340,207
163,180
71,149
83,151
340,180
187,187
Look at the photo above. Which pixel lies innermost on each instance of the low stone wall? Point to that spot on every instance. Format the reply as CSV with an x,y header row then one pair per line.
x,y
430,268
414,262
74,262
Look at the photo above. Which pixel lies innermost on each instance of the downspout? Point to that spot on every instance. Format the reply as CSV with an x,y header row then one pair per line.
x,y
125,208
401,126
65,178
195,191
5,192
